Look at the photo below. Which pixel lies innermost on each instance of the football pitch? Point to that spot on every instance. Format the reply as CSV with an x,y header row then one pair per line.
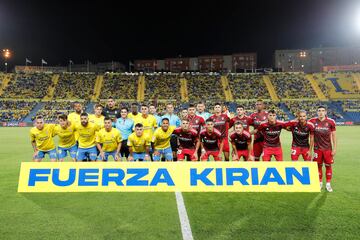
x,y
155,215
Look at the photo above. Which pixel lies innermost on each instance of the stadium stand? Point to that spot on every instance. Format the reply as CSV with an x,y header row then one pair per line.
x,y
12,110
162,86
75,86
248,86
204,87
51,109
119,86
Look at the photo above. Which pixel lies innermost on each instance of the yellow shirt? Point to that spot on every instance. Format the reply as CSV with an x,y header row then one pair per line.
x,y
97,120
135,118
74,118
87,134
66,136
138,144
43,138
161,139
110,140
149,123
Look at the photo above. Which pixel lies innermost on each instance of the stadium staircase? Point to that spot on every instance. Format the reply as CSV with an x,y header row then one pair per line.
x,y
51,89
316,88
97,88
141,89
286,110
356,76
270,88
226,88
337,106
33,112
5,83
183,90
336,84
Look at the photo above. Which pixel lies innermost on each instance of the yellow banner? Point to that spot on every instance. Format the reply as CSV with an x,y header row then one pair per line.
x,y
169,177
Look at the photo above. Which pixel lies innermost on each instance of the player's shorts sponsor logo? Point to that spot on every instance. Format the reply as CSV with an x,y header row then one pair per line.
x,y
168,177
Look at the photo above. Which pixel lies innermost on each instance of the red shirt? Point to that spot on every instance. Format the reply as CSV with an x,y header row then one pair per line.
x,y
244,120
322,132
221,123
241,140
196,122
300,133
211,142
188,139
255,120
271,133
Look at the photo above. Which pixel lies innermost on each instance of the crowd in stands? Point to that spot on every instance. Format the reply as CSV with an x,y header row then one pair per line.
x,y
311,108
292,85
351,105
162,86
11,110
248,86
75,86
119,86
203,87
26,85
52,109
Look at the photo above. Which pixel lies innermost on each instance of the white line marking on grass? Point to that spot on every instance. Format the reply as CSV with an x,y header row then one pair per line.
x,y
184,220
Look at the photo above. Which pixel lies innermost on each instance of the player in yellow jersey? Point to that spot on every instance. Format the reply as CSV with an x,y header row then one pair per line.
x,y
87,133
134,115
148,121
108,141
139,145
74,117
97,117
65,130
41,137
161,141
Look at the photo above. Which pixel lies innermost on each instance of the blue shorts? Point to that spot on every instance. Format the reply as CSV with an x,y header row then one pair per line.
x,y
52,154
139,156
83,153
63,152
107,154
167,153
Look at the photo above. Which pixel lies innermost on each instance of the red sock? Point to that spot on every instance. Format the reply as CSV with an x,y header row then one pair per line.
x,y
328,173
320,171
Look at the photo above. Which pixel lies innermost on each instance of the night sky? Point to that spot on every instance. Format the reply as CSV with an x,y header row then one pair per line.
x,y
121,31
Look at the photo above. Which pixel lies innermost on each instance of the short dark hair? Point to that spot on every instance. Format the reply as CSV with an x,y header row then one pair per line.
x,y
322,106
138,125
239,123
84,114
107,119
272,111
184,120
191,106
209,120
63,117
144,105
165,119
110,98
201,102
259,100
124,108
134,104
98,105
39,117
240,106
217,103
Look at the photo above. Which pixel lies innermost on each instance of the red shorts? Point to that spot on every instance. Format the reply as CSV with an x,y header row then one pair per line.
x,y
226,147
243,153
272,151
181,153
323,156
207,154
258,149
297,151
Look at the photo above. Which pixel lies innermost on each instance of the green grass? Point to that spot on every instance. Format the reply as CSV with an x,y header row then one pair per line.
x,y
154,215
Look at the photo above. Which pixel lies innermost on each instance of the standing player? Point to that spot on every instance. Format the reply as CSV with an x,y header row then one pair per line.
x,y
74,117
240,117
110,110
108,141
161,141
188,141
325,144
42,141
301,131
139,145
221,123
271,130
134,115
67,142
255,120
201,111
211,142
196,122
174,120
97,117
87,133
241,142
125,125
183,113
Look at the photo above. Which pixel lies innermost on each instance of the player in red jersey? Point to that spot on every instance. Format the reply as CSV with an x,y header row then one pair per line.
x,y
271,130
301,131
240,117
221,123
188,139
255,120
196,122
325,144
211,142
241,142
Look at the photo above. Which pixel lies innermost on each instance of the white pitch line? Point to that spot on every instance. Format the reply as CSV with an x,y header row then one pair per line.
x,y
184,220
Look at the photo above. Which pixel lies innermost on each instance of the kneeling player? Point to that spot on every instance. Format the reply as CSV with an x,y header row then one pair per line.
x,y
67,143
211,142
139,145
241,142
41,137
108,141
188,141
325,144
271,130
161,141
301,131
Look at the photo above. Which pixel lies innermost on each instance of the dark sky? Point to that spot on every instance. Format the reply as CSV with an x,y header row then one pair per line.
x,y
123,30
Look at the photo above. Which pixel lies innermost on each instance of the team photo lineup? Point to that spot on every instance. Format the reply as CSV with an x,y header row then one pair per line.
x,y
194,135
